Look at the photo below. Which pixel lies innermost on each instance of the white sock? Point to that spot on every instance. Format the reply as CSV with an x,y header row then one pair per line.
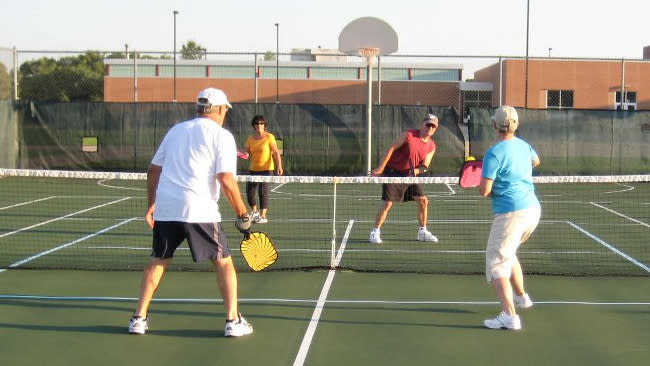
x,y
423,228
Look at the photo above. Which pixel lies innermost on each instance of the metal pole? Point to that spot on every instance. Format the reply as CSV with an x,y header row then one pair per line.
x,y
135,77
175,13
15,54
136,124
255,76
500,81
379,80
277,62
126,51
623,98
527,32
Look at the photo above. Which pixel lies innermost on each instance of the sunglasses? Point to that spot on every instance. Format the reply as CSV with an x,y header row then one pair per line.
x,y
260,123
431,125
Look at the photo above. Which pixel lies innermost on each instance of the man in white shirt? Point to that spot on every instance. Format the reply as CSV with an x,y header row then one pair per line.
x,y
196,160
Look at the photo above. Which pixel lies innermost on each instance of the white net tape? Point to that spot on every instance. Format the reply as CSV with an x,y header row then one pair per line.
x,y
319,179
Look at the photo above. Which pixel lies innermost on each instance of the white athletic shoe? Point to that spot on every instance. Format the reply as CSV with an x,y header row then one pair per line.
x,y
238,328
256,217
523,301
138,325
425,235
503,321
261,220
375,236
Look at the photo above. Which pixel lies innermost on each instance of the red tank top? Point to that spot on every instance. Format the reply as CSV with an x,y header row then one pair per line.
x,y
411,154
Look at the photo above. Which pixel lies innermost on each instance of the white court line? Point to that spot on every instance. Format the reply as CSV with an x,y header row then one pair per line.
x,y
620,214
627,188
101,183
451,190
315,317
26,203
610,247
276,187
308,301
62,246
62,217
417,251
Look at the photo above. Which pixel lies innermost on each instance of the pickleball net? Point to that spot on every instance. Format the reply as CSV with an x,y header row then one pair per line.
x,y
591,225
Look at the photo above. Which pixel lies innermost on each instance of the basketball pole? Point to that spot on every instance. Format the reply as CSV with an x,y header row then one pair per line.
x,y
368,37
369,115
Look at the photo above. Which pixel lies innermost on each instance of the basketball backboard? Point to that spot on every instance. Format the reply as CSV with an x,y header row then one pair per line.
x,y
368,33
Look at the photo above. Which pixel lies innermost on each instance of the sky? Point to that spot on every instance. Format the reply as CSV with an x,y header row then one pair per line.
x,y
571,28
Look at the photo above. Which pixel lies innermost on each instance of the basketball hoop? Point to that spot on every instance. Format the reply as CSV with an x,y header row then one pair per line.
x,y
368,37
369,53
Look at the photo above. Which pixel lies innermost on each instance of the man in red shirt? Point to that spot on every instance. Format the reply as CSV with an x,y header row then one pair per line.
x,y
408,156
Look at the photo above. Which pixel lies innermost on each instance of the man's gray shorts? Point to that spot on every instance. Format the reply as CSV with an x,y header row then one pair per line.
x,y
206,240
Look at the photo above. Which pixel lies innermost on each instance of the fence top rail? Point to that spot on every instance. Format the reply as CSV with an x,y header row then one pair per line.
x,y
397,55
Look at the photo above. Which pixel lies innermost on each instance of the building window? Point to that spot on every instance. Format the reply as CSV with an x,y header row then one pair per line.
x,y
559,99
475,99
628,101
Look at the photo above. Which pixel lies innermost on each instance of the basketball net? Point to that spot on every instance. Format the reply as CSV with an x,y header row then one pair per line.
x,y
369,53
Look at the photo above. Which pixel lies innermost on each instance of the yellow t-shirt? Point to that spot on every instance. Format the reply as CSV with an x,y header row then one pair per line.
x,y
260,153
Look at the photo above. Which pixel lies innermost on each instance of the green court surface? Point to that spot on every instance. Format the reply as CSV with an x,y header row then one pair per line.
x,y
586,228
71,252
80,317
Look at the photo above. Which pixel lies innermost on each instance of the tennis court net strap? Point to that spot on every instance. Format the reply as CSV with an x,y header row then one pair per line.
x,y
591,225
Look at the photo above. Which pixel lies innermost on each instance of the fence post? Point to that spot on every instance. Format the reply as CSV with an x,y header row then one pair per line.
x,y
623,107
135,77
255,75
15,76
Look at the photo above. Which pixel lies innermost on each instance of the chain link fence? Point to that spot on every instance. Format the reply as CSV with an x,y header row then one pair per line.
x,y
33,82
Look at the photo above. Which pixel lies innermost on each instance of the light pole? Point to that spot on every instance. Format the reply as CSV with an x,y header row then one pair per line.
x,y
549,51
175,13
527,29
126,51
277,62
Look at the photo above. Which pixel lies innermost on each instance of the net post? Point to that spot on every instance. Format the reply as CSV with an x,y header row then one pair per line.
x,y
333,254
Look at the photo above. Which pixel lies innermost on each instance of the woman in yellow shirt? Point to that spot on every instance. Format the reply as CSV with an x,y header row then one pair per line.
x,y
264,158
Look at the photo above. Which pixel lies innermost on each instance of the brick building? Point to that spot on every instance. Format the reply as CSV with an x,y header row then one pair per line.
x,y
570,83
298,82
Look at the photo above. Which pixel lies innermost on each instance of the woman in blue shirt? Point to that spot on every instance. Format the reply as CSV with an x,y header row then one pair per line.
x,y
507,179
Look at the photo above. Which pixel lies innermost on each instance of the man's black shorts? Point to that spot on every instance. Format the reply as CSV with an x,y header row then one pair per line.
x,y
206,240
400,192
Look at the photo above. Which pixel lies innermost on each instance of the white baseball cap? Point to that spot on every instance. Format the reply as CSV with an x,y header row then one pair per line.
x,y
215,97
431,118
506,118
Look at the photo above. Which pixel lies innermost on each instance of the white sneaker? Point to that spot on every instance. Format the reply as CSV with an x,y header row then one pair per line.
x,y
523,301
238,328
425,235
138,325
261,220
503,321
375,236
256,217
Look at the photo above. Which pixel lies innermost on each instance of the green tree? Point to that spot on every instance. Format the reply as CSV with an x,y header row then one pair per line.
x,y
67,79
269,56
5,83
192,51
115,55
